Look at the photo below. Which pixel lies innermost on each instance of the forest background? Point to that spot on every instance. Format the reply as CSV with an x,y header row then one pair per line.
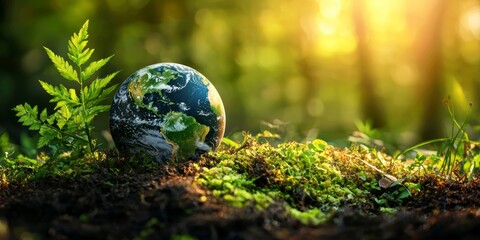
x,y
306,69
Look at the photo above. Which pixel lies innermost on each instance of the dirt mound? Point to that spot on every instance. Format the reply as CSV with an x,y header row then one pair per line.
x,y
166,203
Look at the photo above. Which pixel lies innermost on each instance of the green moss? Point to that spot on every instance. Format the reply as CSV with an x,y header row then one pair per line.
x,y
312,179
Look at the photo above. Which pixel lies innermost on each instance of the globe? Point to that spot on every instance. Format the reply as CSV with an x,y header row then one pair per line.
x,y
168,112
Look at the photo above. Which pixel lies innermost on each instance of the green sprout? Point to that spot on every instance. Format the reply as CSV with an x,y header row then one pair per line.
x,y
68,131
455,153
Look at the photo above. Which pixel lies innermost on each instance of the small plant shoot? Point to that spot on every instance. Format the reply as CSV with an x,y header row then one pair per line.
x,y
68,129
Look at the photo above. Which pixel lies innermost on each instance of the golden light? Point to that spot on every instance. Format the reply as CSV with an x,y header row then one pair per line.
x,y
384,22
470,21
469,32
330,8
334,34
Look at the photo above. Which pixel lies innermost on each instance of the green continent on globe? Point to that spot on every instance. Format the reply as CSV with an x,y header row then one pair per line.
x,y
185,135
150,81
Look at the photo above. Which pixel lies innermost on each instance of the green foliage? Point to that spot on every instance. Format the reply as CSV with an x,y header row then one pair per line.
x,y
367,129
366,135
457,148
68,130
15,165
455,157
5,145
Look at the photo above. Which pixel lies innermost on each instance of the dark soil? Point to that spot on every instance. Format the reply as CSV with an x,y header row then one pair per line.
x,y
165,203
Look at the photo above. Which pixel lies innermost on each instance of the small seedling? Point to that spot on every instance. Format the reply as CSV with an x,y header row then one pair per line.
x,y
454,152
68,131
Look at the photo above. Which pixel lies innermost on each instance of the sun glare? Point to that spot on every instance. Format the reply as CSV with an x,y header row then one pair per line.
x,y
470,21
330,8
384,22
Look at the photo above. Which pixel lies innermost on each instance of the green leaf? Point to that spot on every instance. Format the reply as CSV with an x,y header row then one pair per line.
x,y
94,67
85,56
107,91
51,119
61,95
76,46
63,67
230,142
63,115
88,120
404,194
78,120
96,92
20,109
28,116
103,82
43,115
73,95
47,135
98,109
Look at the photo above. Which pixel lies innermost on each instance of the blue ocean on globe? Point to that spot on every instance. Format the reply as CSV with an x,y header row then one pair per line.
x,y
168,112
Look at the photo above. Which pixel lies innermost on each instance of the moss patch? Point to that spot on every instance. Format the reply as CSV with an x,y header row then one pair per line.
x,y
313,180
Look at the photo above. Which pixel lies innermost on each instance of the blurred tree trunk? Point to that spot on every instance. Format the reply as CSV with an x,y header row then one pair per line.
x,y
372,110
307,64
428,60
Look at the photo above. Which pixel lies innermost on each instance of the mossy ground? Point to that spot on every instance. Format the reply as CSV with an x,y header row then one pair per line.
x,y
252,190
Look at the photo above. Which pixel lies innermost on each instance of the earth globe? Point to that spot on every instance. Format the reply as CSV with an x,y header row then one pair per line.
x,y
168,112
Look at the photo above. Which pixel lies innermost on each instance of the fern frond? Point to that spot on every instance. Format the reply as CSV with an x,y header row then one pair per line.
x,y
21,109
28,116
94,67
70,127
98,109
73,95
96,92
85,56
82,57
77,41
63,67
76,46
107,92
47,135
63,116
61,95
100,83
44,115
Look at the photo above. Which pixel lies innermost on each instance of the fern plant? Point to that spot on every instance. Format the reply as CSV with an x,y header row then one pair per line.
x,y
68,130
